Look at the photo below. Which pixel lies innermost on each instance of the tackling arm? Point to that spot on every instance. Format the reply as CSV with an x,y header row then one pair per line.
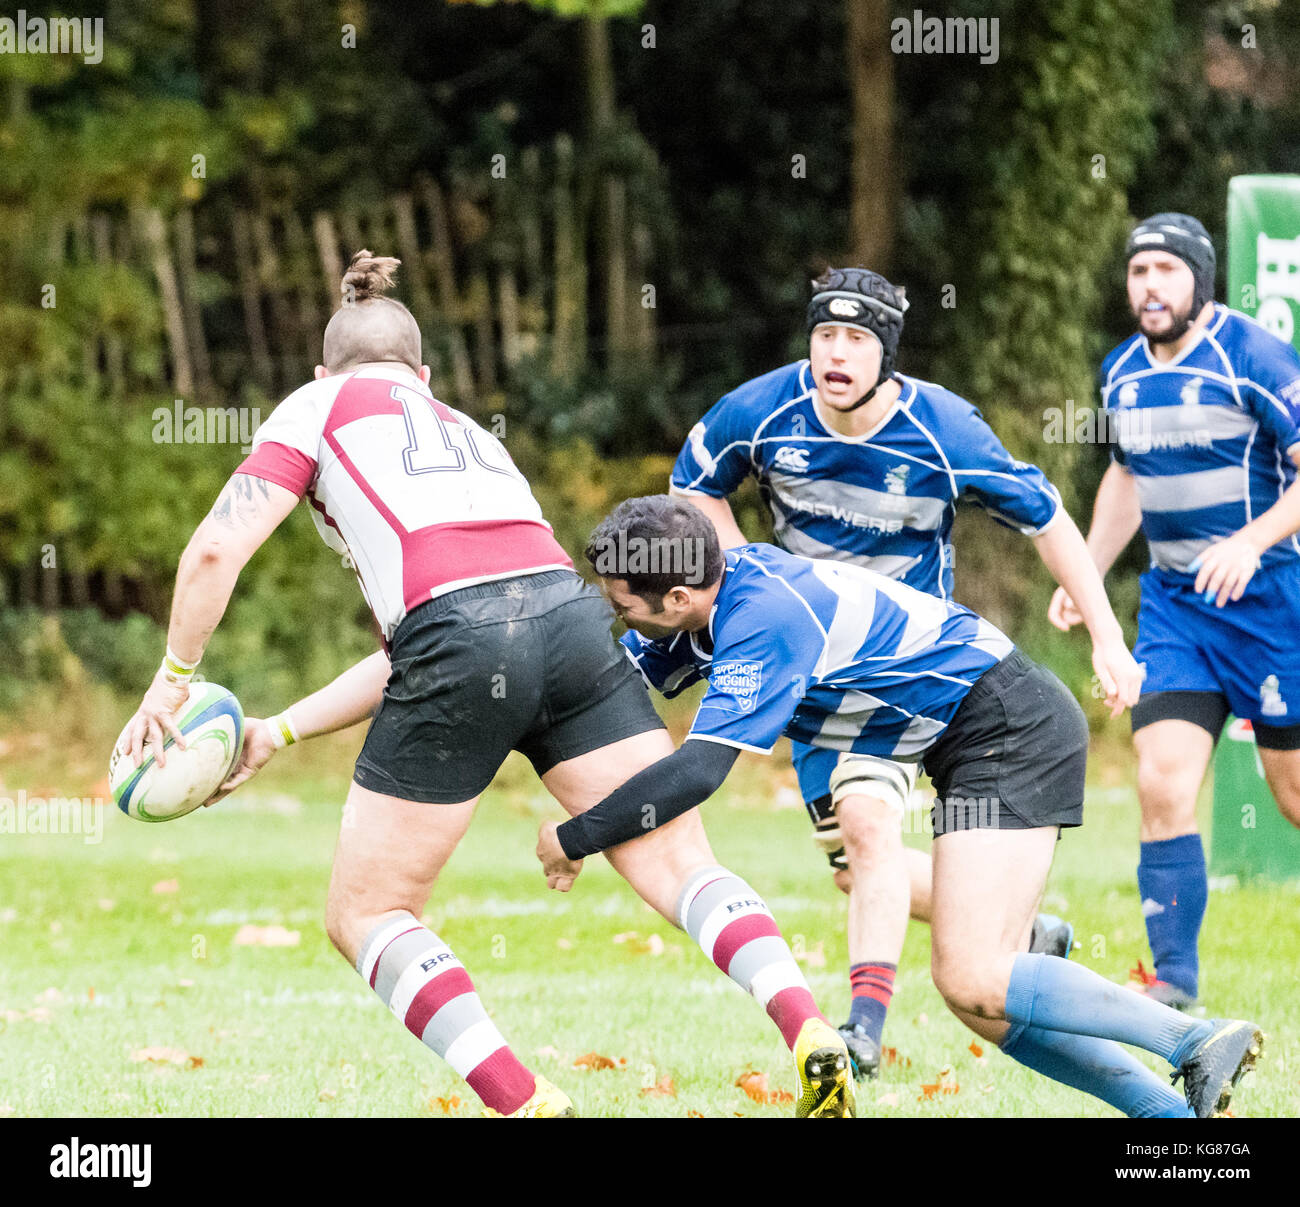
x,y
651,798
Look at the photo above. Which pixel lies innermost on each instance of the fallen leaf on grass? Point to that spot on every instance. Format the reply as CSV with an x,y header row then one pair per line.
x,y
249,935
550,1051
326,1096
49,995
90,993
167,1056
665,1087
755,1085
890,1056
888,1099
976,1051
167,886
694,1115
641,945
594,1060
945,1083
444,1106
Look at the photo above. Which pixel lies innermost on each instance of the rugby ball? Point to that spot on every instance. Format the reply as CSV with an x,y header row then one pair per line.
x,y
213,724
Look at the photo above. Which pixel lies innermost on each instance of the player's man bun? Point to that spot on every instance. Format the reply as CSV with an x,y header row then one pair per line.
x,y
369,328
368,276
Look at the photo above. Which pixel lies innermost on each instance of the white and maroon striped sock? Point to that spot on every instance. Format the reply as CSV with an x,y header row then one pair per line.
x,y
427,988
737,932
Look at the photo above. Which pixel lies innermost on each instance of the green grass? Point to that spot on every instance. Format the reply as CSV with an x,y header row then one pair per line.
x,y
99,965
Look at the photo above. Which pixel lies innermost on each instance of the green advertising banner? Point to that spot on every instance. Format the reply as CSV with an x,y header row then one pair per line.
x,y
1250,836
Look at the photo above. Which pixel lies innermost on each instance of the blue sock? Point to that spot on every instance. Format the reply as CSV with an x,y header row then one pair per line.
x,y
1099,1067
1173,885
1060,995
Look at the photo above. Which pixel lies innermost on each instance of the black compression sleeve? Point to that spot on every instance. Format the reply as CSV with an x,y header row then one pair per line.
x,y
651,798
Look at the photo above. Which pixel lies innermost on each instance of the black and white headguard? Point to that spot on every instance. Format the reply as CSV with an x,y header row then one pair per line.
x,y
857,297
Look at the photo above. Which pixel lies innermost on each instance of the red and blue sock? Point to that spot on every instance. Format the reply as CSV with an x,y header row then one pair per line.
x,y
873,987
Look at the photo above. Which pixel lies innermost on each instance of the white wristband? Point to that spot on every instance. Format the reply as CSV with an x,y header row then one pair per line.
x,y
175,669
283,731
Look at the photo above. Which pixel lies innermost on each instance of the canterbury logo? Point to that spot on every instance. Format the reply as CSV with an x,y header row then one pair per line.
x,y
845,307
789,457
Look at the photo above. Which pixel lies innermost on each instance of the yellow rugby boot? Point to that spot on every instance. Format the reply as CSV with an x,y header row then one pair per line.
x,y
821,1061
548,1102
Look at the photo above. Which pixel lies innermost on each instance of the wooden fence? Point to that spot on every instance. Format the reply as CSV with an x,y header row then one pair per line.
x,y
529,268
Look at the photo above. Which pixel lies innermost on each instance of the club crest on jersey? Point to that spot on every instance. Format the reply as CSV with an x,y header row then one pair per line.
x,y
791,458
740,680
896,479
1271,703
1128,394
1190,394
845,308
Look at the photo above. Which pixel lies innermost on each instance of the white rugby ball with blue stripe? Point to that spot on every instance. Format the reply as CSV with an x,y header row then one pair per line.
x,y
213,724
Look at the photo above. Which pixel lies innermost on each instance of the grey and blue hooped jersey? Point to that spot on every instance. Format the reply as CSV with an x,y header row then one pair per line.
x,y
885,500
1207,436
827,653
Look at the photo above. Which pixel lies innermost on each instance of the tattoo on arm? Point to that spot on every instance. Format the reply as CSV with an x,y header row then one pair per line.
x,y
240,501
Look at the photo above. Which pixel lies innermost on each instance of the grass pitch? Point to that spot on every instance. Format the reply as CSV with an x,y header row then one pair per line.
x,y
182,969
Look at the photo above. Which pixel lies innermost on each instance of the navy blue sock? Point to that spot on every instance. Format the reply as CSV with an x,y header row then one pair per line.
x,y
1099,1067
1172,882
1060,995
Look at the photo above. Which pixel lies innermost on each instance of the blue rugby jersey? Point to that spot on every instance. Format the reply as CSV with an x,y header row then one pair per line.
x,y
885,500
830,654
1206,436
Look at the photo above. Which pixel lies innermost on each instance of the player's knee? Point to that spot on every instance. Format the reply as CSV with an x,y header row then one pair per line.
x,y
967,986
870,828
1166,788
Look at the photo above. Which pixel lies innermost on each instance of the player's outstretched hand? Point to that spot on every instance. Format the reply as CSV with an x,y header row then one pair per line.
x,y
1224,569
559,869
1062,612
257,752
156,717
1120,676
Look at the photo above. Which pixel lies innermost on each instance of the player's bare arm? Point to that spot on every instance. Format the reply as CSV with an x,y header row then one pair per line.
x,y
1116,518
1225,568
1065,554
349,699
719,511
246,512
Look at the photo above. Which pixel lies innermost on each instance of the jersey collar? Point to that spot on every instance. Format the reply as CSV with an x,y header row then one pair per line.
x,y
901,403
1209,329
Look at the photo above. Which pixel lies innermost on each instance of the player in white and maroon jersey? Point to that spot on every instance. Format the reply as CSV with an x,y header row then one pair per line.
x,y
492,643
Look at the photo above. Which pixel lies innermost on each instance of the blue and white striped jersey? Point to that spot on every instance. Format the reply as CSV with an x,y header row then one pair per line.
x,y
827,653
1207,435
886,499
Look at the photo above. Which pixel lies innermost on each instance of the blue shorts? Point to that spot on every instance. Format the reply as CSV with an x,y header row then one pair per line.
x,y
1247,651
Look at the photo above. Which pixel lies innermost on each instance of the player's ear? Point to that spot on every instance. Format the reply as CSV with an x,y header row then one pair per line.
x,y
319,372
425,374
